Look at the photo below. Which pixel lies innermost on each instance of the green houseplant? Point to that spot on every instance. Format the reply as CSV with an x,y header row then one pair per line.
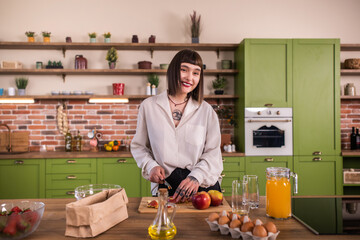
x,y
21,84
46,36
219,84
112,57
30,36
107,37
226,116
195,27
153,79
92,37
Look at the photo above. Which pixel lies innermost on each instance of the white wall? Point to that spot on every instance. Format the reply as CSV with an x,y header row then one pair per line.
x,y
227,21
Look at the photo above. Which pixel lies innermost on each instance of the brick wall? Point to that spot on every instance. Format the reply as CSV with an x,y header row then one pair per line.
x,y
114,121
350,117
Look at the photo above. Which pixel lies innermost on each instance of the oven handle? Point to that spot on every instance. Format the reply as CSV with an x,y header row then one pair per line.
x,y
264,120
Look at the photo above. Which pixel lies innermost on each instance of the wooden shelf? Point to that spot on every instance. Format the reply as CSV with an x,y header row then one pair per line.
x,y
82,97
350,47
350,97
350,71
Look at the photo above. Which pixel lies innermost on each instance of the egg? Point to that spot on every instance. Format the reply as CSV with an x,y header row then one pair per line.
x,y
247,227
231,216
235,223
258,222
270,227
223,220
213,217
259,231
245,218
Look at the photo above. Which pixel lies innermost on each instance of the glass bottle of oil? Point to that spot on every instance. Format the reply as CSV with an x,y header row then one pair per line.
x,y
163,226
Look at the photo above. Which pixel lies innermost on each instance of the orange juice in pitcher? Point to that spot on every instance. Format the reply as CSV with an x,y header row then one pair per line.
x,y
278,192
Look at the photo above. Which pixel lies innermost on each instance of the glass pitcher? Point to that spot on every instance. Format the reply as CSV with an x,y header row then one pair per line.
x,y
278,192
163,226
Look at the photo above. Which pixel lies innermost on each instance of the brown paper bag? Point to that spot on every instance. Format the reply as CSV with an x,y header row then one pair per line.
x,y
95,214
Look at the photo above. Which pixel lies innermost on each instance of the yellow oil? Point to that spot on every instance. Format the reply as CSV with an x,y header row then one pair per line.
x,y
164,233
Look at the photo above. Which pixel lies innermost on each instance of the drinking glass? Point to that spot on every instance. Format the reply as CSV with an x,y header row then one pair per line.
x,y
237,204
251,191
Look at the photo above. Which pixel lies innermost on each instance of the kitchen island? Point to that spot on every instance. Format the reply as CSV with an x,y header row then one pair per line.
x,y
189,226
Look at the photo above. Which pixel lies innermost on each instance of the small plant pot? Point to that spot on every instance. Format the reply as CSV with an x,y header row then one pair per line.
x,y
46,39
112,65
144,65
31,39
21,92
195,40
219,91
93,40
107,40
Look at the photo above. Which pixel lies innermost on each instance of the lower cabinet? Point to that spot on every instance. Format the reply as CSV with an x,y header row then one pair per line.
x,y
319,175
22,178
234,168
257,166
124,172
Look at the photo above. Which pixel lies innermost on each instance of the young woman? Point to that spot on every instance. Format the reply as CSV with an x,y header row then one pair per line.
x,y
177,140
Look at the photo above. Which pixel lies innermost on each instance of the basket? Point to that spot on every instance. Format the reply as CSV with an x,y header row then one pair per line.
x,y
351,176
352,63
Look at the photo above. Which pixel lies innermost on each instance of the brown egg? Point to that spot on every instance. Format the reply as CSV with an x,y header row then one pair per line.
x,y
247,227
242,218
270,227
259,231
213,217
258,222
235,223
223,220
232,214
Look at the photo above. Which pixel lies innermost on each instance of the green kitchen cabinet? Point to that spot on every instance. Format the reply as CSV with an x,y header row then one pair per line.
x,y
64,175
234,169
22,178
265,72
317,175
316,97
124,172
257,166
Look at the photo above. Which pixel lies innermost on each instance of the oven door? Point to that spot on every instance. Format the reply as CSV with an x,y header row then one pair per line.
x,y
268,137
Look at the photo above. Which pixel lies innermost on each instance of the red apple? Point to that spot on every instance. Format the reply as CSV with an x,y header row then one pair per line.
x,y
216,197
201,200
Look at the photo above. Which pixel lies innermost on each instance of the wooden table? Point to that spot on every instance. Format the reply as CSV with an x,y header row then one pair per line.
x,y
189,226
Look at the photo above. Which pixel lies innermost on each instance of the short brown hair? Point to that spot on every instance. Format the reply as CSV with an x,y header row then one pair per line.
x,y
173,73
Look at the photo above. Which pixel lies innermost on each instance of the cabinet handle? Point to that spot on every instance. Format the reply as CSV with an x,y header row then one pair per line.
x,y
222,190
317,159
268,104
19,162
121,160
70,193
71,177
223,175
223,159
269,159
71,161
317,153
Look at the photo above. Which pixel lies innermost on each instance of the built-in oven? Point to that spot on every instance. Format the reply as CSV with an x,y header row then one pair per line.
x,y
268,132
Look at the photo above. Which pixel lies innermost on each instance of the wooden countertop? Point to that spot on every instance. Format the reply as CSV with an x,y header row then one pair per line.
x,y
189,226
120,154
350,153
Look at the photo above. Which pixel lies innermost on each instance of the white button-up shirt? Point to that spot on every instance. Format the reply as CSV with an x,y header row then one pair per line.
x,y
194,144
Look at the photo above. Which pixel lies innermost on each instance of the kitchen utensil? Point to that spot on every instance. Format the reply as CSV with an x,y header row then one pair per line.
x,y
278,192
251,191
237,204
91,189
163,226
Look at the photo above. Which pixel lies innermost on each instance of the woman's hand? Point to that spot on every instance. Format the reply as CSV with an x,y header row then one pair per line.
x,y
188,187
157,175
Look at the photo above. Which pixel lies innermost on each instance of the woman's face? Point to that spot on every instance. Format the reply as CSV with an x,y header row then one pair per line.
x,y
189,77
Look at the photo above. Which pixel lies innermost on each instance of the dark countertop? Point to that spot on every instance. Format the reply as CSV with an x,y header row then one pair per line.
x,y
37,155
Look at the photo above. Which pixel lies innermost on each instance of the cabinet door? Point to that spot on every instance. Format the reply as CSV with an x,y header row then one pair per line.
x,y
316,96
257,166
124,172
267,72
23,178
317,175
234,168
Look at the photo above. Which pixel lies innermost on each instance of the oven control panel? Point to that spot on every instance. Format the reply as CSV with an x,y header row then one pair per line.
x,y
268,112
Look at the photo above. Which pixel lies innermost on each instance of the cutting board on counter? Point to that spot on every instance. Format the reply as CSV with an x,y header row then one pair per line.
x,y
182,207
19,141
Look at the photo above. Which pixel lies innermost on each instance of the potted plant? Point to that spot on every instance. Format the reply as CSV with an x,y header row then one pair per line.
x,y
21,84
219,84
107,37
112,57
46,36
153,79
92,37
195,27
31,36
226,115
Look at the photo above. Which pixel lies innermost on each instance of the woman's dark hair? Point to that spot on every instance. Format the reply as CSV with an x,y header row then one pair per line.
x,y
173,73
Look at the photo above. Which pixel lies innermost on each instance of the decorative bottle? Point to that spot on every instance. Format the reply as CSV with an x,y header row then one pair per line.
x,y
148,89
77,142
153,90
68,140
357,139
353,144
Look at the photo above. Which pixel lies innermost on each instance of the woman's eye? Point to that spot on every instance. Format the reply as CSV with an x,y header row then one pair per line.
x,y
196,73
183,69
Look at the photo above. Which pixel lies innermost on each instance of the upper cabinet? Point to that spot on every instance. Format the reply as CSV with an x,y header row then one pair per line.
x,y
316,96
264,77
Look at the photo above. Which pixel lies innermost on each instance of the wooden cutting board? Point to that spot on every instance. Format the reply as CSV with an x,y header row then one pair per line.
x,y
182,207
19,141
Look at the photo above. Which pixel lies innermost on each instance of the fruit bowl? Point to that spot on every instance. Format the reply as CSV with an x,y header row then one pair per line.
x,y
91,189
19,219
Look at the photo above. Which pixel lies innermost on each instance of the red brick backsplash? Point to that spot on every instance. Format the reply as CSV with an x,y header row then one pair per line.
x,y
114,121
350,117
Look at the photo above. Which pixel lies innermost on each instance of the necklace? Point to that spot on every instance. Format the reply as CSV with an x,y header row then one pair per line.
x,y
177,104
176,113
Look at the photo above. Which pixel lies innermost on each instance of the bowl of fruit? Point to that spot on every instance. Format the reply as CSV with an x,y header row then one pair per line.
x,y
19,219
